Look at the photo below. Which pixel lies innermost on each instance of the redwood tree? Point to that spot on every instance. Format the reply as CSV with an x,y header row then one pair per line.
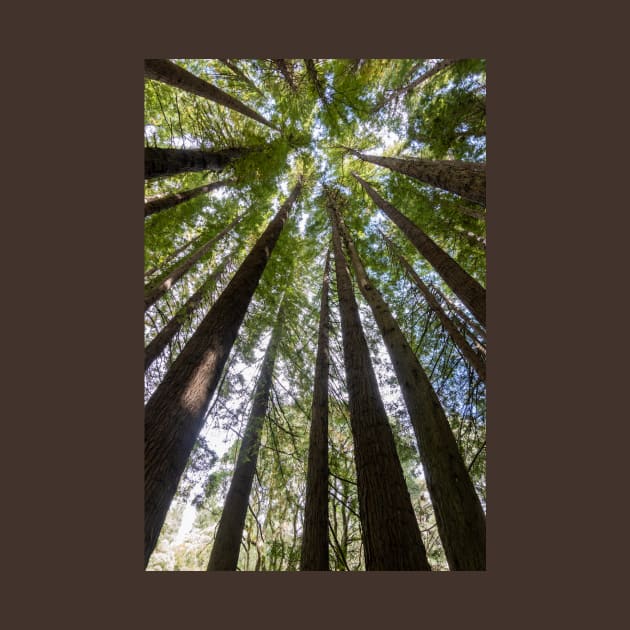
x,y
466,179
315,536
170,73
227,542
163,162
458,512
391,535
175,412
169,201
166,335
474,359
469,291
157,289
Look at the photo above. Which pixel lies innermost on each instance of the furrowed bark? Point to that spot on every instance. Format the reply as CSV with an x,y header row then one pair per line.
x,y
467,289
170,73
227,543
466,179
165,336
169,201
314,555
175,412
165,162
154,292
392,540
458,512
476,361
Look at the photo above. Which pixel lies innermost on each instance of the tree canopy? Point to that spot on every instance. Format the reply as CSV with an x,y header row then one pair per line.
x,y
299,132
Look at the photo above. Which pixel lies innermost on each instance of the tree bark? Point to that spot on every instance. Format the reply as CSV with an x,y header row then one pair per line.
x,y
165,336
467,321
170,73
155,291
315,537
175,412
392,540
458,512
282,66
467,289
169,201
466,179
476,361
165,162
226,547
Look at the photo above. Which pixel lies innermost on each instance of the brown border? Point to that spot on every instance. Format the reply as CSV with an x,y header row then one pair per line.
x,y
75,498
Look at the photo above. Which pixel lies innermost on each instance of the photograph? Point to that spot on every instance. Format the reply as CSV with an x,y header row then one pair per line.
x,y
315,314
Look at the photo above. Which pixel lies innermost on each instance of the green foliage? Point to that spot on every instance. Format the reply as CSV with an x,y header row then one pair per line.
x,y
442,118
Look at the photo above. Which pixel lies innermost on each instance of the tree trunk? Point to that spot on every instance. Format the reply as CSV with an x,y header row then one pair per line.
x,y
241,75
392,539
466,179
458,512
170,73
282,66
175,412
165,336
164,162
169,201
476,361
154,292
225,550
467,289
468,322
315,536
312,74
172,255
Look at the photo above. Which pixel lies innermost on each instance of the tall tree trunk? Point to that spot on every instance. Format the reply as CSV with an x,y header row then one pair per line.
x,y
169,201
466,179
467,289
225,550
282,66
441,65
165,336
154,292
172,255
311,70
170,73
241,75
315,536
392,539
164,162
468,322
476,361
175,412
458,512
